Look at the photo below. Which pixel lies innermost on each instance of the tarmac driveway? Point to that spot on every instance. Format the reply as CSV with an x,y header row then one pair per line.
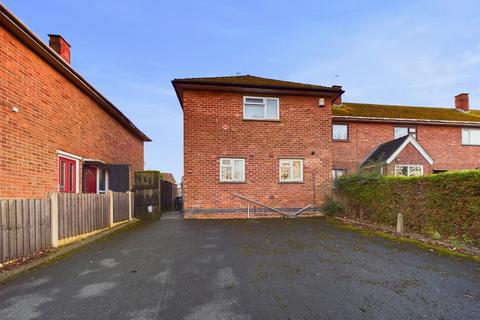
x,y
255,269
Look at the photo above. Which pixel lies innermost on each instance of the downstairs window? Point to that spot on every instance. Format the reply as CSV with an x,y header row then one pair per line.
x,y
409,170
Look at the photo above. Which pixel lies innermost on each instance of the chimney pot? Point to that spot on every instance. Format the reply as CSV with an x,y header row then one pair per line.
x,y
461,102
60,46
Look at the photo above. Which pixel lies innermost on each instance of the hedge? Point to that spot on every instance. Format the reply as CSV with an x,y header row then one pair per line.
x,y
444,206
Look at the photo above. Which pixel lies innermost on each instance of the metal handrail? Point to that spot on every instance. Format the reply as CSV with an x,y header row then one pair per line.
x,y
271,208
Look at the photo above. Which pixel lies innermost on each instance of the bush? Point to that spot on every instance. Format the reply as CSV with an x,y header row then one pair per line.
x,y
446,204
332,207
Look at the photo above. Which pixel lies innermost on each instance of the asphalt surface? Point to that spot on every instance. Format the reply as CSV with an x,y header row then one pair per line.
x,y
255,269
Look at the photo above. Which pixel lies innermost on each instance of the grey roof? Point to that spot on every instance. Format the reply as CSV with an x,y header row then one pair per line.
x,y
384,151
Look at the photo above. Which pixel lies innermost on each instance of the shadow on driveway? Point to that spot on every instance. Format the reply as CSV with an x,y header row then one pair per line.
x,y
246,269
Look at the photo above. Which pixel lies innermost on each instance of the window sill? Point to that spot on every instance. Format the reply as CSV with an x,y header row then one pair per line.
x,y
262,120
291,182
232,182
340,140
470,145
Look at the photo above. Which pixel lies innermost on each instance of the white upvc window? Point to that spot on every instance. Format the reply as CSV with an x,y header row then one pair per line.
x,y
402,170
232,170
339,131
399,132
291,170
337,173
471,137
261,108
102,180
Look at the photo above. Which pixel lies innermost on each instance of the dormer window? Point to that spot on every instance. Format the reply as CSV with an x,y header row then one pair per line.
x,y
260,108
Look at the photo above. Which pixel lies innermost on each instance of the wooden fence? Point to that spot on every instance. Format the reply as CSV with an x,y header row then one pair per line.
x,y
80,213
121,203
24,227
31,225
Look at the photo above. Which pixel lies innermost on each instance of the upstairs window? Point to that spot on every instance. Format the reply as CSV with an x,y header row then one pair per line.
x,y
399,132
291,170
258,108
471,137
340,132
232,170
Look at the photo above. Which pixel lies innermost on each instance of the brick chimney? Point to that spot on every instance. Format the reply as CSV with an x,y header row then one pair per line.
x,y
338,100
461,102
60,46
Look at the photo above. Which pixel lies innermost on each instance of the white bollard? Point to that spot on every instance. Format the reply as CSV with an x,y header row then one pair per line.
x,y
400,228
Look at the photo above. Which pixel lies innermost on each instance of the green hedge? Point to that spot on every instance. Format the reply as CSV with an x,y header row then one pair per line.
x,y
445,205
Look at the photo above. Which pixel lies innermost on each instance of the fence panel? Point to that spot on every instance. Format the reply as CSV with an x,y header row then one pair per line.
x,y
80,213
24,227
120,206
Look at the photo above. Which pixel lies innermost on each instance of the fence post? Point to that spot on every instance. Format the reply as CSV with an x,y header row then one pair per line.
x,y
54,218
400,223
110,208
129,193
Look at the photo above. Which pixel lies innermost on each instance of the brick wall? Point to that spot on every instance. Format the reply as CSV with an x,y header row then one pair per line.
x,y
53,115
214,128
409,156
443,143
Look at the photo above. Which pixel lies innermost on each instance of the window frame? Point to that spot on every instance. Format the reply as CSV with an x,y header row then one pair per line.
x,y
409,128
468,130
348,131
335,177
233,180
291,160
99,191
264,104
408,170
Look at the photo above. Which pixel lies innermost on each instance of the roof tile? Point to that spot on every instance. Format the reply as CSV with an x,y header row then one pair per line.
x,y
404,112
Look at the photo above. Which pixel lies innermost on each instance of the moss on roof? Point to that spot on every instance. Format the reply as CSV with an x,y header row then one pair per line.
x,y
255,81
404,112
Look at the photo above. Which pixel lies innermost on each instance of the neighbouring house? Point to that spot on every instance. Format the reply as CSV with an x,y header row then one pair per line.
x,y
263,147
449,137
57,132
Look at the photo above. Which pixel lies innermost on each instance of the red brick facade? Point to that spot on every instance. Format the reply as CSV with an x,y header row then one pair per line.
x,y
53,114
408,156
214,127
442,142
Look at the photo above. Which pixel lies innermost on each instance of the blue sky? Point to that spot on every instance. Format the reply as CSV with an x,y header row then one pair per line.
x,y
395,52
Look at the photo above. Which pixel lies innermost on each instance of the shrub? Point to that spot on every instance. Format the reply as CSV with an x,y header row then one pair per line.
x,y
332,207
446,204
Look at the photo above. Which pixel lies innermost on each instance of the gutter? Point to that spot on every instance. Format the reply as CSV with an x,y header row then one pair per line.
x,y
181,84
405,120
32,41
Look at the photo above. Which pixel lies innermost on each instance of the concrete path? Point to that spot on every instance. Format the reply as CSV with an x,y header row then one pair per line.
x,y
256,269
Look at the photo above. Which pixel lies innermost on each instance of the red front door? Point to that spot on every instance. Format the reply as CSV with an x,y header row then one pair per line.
x,y
67,175
90,180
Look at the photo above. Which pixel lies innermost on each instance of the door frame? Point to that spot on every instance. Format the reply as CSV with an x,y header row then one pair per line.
x,y
77,160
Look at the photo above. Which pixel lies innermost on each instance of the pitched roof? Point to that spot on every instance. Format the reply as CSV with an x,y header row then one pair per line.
x,y
31,40
166,176
387,151
249,80
366,110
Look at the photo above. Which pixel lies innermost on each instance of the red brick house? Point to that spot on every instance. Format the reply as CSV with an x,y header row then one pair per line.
x,y
57,132
261,147
255,146
450,136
